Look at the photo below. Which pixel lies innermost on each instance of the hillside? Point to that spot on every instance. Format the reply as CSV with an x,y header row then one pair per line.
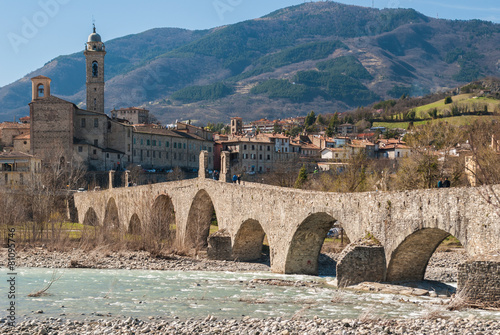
x,y
320,56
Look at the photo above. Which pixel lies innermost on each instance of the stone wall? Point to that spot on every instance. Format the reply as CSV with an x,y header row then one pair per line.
x,y
479,282
219,246
360,263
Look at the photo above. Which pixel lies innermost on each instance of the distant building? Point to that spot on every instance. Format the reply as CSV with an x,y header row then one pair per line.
x,y
346,128
236,125
9,131
18,169
133,115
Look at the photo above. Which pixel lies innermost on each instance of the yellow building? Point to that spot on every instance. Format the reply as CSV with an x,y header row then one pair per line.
x,y
18,169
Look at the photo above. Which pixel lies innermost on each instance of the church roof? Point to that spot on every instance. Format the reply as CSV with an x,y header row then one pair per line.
x,y
94,37
40,77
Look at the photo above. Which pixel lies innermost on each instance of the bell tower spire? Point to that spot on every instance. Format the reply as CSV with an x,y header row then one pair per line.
x,y
94,57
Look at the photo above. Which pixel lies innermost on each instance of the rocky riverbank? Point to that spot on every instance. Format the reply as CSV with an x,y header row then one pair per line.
x,y
442,266
274,326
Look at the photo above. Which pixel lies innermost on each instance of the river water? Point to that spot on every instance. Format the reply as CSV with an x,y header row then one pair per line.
x,y
80,293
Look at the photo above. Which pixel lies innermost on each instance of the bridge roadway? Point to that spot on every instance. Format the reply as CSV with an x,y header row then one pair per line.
x,y
409,225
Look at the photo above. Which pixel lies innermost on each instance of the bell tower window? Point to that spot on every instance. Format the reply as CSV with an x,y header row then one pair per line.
x,y
95,70
41,91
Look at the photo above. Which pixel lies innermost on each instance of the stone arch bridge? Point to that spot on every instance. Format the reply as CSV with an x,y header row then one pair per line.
x,y
409,225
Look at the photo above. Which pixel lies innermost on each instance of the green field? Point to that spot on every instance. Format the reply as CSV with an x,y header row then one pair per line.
x,y
460,100
455,120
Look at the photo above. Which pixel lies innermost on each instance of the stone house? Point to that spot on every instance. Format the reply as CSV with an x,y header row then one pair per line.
x,y
9,131
18,169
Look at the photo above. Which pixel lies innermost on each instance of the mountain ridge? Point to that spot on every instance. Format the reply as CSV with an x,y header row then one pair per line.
x,y
285,52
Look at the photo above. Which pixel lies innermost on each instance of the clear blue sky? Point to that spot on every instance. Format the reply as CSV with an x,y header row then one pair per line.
x,y
33,32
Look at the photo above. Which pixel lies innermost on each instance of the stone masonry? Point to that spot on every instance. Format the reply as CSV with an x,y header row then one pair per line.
x,y
409,225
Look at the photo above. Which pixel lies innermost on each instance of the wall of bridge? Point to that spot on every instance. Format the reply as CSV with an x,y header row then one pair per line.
x,y
409,225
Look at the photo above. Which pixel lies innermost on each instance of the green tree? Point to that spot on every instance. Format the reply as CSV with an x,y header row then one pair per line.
x,y
302,177
310,119
295,131
277,128
321,120
448,100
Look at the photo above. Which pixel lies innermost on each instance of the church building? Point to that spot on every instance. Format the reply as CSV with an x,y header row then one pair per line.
x,y
62,132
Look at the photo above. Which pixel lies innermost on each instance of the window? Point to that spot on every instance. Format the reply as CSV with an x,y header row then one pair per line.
x,y
260,147
135,141
128,147
95,152
159,143
148,142
154,154
41,91
96,143
83,123
167,144
268,148
80,148
184,145
260,168
154,143
95,69
96,123
245,147
142,141
268,157
209,149
253,147
175,145
260,156
107,155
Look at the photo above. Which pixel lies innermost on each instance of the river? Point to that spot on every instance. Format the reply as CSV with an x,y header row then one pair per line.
x,y
82,293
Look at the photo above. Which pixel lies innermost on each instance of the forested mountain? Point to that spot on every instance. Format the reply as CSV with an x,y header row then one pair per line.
x,y
320,56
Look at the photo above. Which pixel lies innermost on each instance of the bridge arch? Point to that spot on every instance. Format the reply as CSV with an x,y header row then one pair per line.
x,y
303,252
248,241
198,221
135,225
162,217
111,217
409,260
91,218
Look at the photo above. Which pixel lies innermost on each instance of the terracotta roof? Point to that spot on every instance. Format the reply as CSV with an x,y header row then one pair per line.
x,y
130,109
22,137
310,146
15,154
6,125
40,77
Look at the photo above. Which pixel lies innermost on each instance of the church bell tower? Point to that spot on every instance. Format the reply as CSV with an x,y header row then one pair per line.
x,y
94,57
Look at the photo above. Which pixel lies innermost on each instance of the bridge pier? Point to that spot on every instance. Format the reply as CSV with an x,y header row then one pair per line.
x,y
360,263
479,282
